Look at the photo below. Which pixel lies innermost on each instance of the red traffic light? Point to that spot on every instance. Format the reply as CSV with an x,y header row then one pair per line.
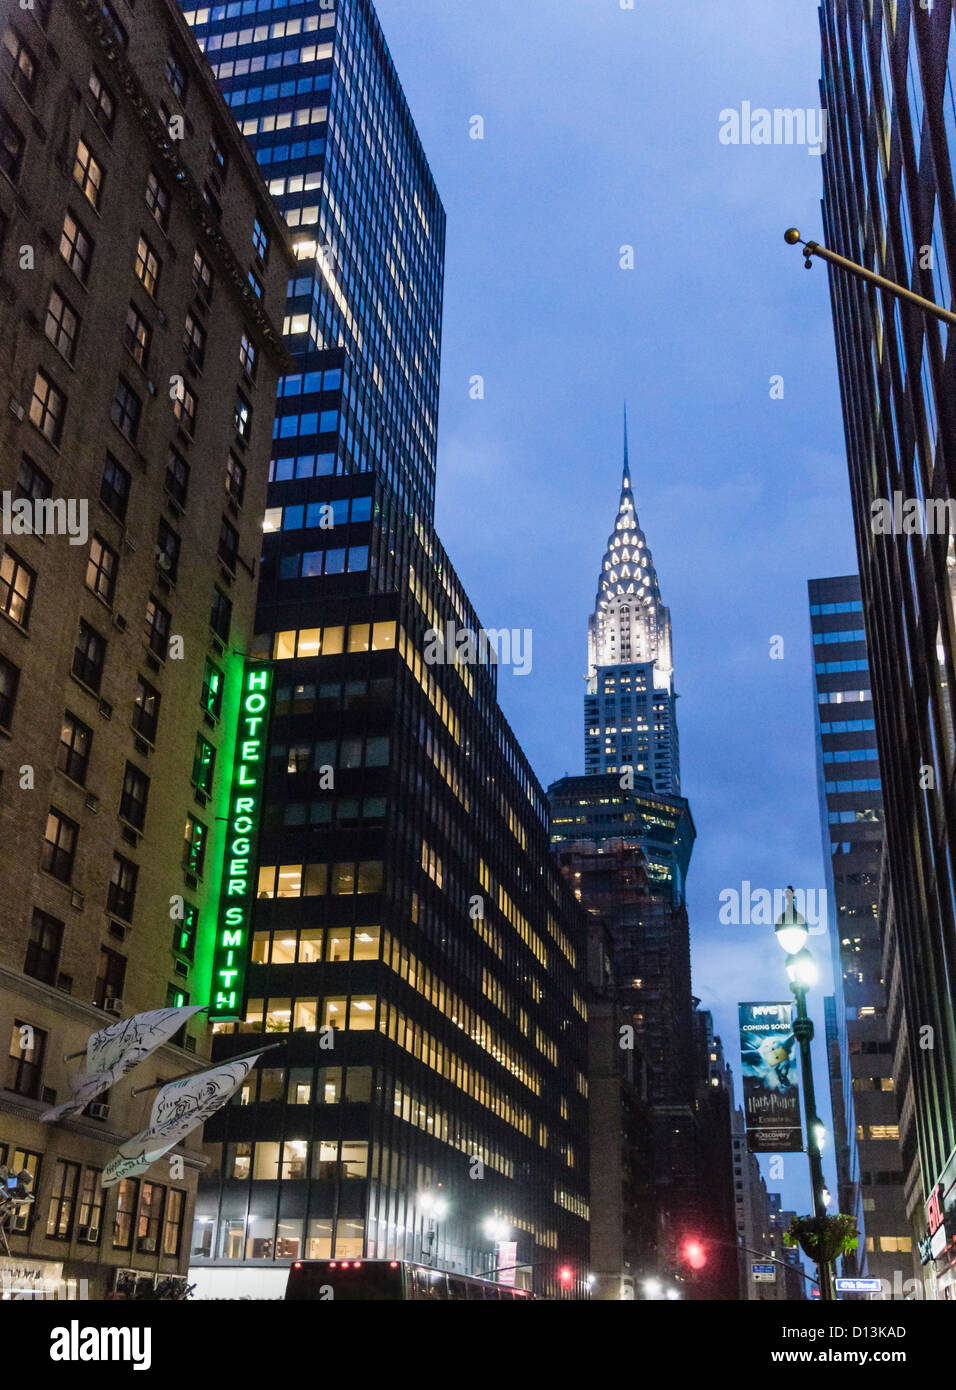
x,y
695,1254
566,1276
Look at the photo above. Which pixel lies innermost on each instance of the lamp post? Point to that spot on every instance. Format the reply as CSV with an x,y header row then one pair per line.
x,y
791,932
435,1208
813,248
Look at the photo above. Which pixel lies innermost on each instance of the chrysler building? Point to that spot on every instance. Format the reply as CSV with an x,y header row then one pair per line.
x,y
630,706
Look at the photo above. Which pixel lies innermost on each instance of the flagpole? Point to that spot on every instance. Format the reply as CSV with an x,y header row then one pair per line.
x,y
139,1090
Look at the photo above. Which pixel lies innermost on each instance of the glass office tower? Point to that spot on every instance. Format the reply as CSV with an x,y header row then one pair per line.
x,y
889,87
414,952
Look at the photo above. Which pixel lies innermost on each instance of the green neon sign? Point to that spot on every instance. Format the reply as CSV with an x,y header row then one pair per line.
x,y
238,890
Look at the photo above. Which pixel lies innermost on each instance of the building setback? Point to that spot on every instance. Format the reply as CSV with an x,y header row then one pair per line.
x,y
866,1120
889,86
142,266
414,951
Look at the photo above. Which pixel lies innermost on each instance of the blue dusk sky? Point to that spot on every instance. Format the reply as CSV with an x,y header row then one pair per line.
x,y
601,130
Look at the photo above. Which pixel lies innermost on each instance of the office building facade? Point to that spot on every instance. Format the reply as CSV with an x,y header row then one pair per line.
x,y
143,276
889,87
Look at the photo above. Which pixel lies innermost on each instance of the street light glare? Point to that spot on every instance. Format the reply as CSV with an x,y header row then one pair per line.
x,y
802,969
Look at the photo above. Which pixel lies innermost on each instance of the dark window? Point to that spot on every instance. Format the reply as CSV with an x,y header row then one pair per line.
x,y
88,173
73,752
194,845
32,482
147,265
110,977
114,489
59,845
235,478
91,1208
228,544
156,628
126,410
43,948
157,200
76,248
260,240
177,476
146,710
149,1221
136,335
168,545
11,147
113,24
62,324
89,655
59,1221
173,1228
247,356
212,203
212,683
217,152
184,408
101,569
176,74
9,680
17,583
47,408
202,274
134,796
25,1060
220,615
127,1192
194,340
99,100
204,765
121,894
18,62
184,932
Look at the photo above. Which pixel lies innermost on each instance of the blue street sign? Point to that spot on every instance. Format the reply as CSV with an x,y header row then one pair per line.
x,y
858,1286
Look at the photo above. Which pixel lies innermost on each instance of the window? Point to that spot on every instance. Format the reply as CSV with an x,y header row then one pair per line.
x,y
204,765
62,325
177,476
17,582
242,416
113,24
47,408
147,266
134,796
157,200
32,483
59,1221
150,1217
9,681
194,340
168,545
212,681
247,356
156,628
127,1192
260,240
125,410
217,153
121,894
235,478
220,615
25,1059
255,284
202,274
176,74
114,488
173,1226
88,173
89,655
212,203
18,63
11,147
228,544
194,857
99,101
110,977
76,248
184,408
43,947
146,710
101,569
73,753
90,1213
136,335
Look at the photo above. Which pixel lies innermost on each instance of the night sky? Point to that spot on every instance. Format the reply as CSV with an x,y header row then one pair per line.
x,y
601,130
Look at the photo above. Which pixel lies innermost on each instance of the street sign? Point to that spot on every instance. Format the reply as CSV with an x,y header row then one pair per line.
x,y
764,1274
859,1286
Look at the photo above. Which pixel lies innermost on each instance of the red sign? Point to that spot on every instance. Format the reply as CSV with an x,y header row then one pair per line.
x,y
934,1210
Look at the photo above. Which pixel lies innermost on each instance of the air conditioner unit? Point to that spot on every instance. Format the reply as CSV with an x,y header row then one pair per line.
x,y
98,1110
119,622
147,1245
118,931
163,561
92,802
114,1006
89,1234
16,409
77,899
106,709
129,540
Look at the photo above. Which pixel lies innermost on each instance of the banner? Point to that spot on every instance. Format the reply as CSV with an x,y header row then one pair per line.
x,y
179,1108
116,1050
768,1054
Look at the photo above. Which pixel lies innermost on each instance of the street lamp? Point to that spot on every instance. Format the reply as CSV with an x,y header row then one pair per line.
x,y
434,1206
652,1288
791,932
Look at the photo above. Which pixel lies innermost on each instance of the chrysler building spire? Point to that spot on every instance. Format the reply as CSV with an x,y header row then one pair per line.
x,y
629,658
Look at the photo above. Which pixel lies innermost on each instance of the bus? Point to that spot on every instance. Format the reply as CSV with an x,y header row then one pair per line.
x,y
388,1281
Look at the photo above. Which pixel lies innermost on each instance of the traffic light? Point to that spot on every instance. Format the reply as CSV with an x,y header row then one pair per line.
x,y
694,1253
566,1277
